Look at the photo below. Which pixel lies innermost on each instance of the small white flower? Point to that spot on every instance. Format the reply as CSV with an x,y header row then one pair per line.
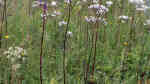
x,y
69,33
68,1
147,11
109,3
37,3
90,19
53,3
44,15
12,59
137,2
78,3
95,1
87,19
123,18
19,56
142,8
8,56
62,23
84,0
56,13
147,22
103,21
23,58
96,6
11,48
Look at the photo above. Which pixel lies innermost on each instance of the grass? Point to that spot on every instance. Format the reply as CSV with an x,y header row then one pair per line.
x,y
112,53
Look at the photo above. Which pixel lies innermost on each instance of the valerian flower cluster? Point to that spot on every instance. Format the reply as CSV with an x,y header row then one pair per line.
x,y
99,10
15,53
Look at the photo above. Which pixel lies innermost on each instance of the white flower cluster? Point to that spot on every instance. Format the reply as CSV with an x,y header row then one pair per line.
x,y
14,53
101,9
93,19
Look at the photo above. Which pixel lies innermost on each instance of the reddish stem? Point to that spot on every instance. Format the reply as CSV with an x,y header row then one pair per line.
x,y
42,40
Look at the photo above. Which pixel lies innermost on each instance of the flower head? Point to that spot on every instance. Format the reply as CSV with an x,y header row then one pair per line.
x,y
37,3
95,1
101,9
125,43
67,1
123,18
53,3
62,23
7,36
69,33
109,3
15,53
92,19
142,8
45,6
56,13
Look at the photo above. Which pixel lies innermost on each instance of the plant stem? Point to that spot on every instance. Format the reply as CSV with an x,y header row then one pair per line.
x,y
89,60
95,45
2,22
5,9
42,41
65,39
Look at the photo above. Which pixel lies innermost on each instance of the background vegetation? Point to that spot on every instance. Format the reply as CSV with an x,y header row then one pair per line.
x,y
117,48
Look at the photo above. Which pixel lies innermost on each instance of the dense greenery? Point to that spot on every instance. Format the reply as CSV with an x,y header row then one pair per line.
x,y
121,46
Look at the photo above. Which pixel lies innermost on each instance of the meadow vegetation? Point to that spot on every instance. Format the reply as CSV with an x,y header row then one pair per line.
x,y
74,42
